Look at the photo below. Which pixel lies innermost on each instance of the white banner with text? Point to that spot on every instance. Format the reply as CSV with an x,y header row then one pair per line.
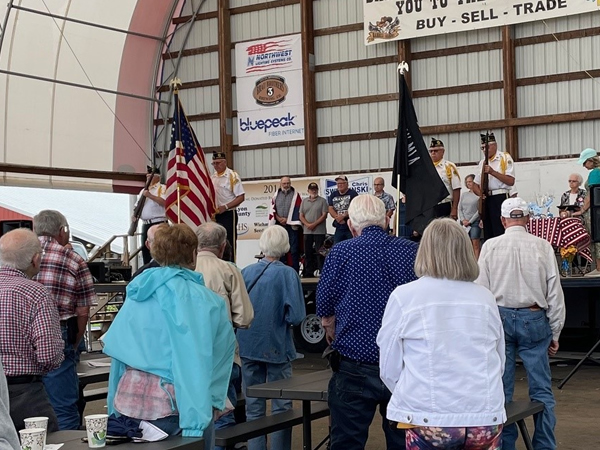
x,y
386,20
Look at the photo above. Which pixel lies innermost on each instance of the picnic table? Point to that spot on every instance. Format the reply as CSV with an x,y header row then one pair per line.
x,y
72,441
313,388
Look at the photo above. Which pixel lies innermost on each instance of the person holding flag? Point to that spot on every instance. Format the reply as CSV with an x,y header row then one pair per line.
x,y
190,196
230,194
414,173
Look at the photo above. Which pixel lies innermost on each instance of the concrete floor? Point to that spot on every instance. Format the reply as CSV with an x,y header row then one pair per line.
x,y
578,407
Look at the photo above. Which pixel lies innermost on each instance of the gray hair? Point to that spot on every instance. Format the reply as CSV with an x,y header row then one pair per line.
x,y
211,235
274,242
18,247
454,260
471,176
48,223
366,210
579,178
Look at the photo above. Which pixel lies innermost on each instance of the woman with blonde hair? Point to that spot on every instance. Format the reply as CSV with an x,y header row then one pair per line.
x,y
442,349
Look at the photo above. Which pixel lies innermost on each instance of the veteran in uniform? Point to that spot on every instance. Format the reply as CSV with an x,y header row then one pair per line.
x,y
448,172
229,195
501,178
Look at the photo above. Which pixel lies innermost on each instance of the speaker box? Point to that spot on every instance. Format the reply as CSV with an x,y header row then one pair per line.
x,y
595,212
9,225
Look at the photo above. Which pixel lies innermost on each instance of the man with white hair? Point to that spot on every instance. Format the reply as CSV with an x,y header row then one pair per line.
x,y
226,280
521,271
67,277
358,277
30,341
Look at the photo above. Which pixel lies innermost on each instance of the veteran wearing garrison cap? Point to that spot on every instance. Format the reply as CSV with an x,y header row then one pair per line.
x,y
230,194
153,211
501,177
447,171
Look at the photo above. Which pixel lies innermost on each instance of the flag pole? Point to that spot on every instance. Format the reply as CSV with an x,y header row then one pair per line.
x,y
402,67
175,83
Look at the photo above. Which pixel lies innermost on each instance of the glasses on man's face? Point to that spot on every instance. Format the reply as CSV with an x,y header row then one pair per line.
x,y
573,181
434,151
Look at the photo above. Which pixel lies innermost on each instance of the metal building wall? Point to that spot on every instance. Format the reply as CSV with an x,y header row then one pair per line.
x,y
440,85
548,58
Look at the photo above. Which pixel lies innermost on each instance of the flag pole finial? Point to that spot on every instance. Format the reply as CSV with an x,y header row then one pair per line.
x,y
175,83
403,67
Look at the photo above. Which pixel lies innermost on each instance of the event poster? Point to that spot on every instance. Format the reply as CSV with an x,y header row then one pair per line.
x,y
269,91
386,20
253,214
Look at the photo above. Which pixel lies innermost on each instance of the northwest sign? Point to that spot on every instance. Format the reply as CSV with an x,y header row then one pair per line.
x,y
270,90
273,55
386,20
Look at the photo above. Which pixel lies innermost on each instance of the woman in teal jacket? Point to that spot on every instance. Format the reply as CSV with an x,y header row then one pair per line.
x,y
171,343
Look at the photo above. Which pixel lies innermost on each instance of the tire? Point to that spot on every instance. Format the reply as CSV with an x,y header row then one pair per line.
x,y
310,335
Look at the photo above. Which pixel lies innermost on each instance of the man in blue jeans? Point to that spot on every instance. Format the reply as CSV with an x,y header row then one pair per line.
x,y
68,280
357,279
339,202
521,271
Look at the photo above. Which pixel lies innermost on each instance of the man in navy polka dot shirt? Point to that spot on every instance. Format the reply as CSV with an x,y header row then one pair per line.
x,y
357,279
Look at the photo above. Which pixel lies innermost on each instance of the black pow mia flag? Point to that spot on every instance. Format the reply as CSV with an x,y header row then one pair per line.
x,y
419,179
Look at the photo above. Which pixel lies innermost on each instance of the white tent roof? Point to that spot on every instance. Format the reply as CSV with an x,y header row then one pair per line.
x,y
92,216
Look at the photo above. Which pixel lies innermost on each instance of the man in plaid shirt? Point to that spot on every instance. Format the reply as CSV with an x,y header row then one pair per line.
x,y
67,277
30,338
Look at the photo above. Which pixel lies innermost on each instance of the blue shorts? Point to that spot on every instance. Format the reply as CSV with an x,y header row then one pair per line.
x,y
475,232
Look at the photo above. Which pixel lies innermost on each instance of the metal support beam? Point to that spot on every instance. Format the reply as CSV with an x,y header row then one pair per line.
x,y
83,22
510,90
311,155
225,96
82,86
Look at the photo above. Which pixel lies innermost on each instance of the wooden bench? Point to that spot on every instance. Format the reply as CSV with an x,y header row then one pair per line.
x,y
268,424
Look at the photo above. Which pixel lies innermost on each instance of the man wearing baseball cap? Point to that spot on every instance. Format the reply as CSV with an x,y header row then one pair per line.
x,y
521,271
313,213
339,201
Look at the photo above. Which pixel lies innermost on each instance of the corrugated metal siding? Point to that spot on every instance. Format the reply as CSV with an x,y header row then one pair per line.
x,y
274,162
549,58
201,100
558,139
358,155
557,98
356,82
199,67
342,47
558,25
365,118
333,13
207,132
204,32
457,70
450,40
459,108
207,6
260,24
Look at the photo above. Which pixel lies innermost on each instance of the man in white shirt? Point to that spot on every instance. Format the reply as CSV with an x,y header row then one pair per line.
x,y
501,177
448,173
521,271
153,211
230,194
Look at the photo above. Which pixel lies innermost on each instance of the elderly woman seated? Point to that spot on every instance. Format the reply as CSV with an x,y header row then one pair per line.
x,y
171,343
574,197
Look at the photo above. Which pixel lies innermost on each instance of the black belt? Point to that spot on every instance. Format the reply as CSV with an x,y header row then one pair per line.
x,y
23,379
153,221
360,363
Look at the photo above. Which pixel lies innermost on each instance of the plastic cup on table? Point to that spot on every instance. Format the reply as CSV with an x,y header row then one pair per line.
x,y
37,422
32,438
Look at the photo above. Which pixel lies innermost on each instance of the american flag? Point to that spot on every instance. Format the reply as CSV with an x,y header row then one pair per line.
x,y
187,171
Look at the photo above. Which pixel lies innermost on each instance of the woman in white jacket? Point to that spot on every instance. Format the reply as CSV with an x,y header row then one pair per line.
x,y
442,349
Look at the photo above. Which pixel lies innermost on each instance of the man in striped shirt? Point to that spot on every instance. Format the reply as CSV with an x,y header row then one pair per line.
x,y
30,338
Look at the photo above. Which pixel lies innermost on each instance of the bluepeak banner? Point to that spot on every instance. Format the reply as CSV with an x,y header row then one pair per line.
x,y
269,90
387,20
